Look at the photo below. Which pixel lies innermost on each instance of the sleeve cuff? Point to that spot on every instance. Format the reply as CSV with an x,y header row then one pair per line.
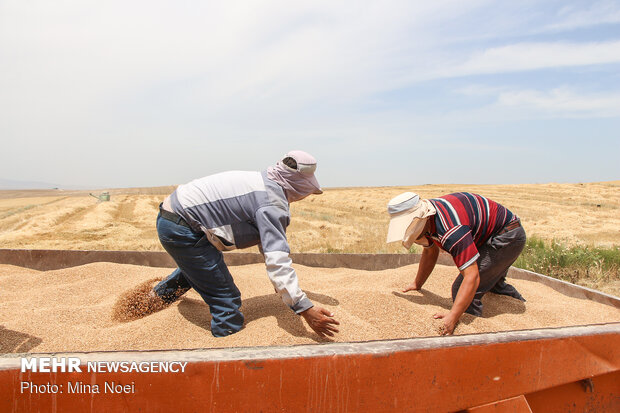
x,y
470,262
302,305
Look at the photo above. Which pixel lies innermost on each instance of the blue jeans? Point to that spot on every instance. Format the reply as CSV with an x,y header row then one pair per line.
x,y
201,267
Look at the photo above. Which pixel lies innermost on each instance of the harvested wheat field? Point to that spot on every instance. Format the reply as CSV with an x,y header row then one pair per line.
x,y
73,309
350,220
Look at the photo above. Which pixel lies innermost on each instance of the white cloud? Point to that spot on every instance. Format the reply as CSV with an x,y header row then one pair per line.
x,y
602,12
532,56
512,104
479,90
250,52
563,101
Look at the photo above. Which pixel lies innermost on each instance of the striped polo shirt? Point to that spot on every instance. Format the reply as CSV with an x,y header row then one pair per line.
x,y
464,222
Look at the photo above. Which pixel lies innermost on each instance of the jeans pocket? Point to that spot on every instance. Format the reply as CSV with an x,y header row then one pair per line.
x,y
178,237
513,238
202,241
499,241
490,243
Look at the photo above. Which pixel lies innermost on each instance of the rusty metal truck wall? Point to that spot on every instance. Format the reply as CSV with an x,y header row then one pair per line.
x,y
547,370
426,374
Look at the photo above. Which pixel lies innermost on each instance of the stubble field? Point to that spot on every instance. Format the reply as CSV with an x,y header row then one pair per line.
x,y
342,220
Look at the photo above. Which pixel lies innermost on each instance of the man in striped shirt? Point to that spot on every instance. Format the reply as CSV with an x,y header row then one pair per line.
x,y
237,209
483,237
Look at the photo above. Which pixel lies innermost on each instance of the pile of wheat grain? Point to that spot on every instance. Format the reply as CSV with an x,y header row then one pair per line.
x,y
79,308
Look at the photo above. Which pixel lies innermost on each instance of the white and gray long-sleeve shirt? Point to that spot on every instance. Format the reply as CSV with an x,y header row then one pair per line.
x,y
239,209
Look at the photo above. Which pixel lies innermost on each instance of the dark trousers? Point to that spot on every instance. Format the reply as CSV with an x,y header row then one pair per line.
x,y
496,257
201,267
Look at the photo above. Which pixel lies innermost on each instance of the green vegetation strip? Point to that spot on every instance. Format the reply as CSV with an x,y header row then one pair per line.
x,y
589,266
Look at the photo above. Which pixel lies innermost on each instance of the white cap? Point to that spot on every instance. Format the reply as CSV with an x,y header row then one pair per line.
x,y
407,216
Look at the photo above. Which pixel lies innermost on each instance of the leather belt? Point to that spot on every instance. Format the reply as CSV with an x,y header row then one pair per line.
x,y
173,217
509,227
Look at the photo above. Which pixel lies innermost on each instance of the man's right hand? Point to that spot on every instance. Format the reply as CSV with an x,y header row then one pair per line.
x,y
321,321
411,287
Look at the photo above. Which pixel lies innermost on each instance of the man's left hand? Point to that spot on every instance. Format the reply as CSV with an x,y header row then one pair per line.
x,y
449,323
321,321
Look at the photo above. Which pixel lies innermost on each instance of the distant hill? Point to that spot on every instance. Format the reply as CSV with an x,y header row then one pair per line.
x,y
8,184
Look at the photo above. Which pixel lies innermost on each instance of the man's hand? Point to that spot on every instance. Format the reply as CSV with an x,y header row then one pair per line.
x,y
449,323
321,321
464,296
411,287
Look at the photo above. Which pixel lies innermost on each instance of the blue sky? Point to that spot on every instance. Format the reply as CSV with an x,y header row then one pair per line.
x,y
147,93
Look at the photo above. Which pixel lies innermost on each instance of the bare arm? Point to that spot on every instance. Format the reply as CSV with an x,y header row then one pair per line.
x,y
425,268
467,290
